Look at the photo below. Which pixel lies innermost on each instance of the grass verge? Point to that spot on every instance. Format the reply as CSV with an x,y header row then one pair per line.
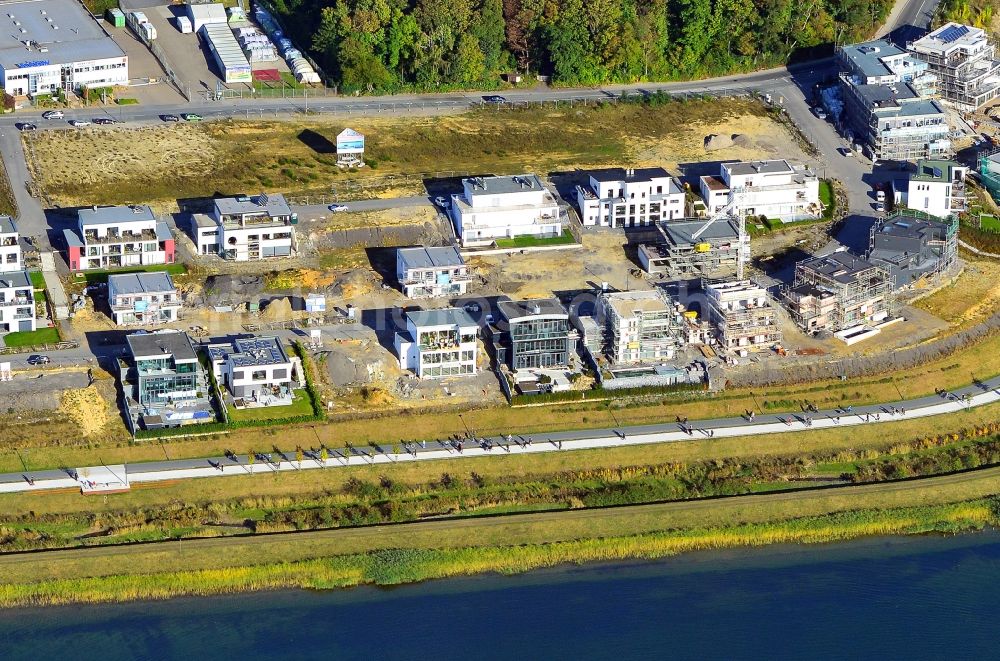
x,y
301,406
534,242
32,338
99,276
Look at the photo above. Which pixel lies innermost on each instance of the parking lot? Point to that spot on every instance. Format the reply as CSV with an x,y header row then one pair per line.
x,y
190,61
142,65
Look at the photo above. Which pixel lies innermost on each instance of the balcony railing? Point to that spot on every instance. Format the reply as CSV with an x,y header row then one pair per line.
x,y
124,237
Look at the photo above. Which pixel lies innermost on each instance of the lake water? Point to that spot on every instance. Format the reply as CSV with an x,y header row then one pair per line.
x,y
912,598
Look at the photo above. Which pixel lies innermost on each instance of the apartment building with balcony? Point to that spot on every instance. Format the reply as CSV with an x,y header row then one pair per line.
x,y
640,326
256,371
11,258
491,208
964,61
912,245
881,62
247,228
742,316
430,272
117,237
775,188
618,197
438,343
143,299
17,302
935,187
163,382
533,334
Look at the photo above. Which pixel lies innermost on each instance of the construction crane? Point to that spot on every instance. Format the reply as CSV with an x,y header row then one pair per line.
x,y
729,212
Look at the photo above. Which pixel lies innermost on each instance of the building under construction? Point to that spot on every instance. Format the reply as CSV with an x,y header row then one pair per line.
x,y
839,292
912,245
697,248
641,326
742,316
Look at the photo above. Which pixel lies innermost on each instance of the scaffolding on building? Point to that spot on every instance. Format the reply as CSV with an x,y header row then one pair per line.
x,y
948,245
989,172
747,320
838,292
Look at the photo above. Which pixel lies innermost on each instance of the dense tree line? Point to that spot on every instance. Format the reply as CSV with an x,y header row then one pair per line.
x,y
390,44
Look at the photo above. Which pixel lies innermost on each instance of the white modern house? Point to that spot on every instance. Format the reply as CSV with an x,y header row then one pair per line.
x,y
438,343
115,237
964,61
429,272
10,246
742,316
48,45
490,208
143,298
255,370
935,187
17,302
776,189
618,197
247,228
640,326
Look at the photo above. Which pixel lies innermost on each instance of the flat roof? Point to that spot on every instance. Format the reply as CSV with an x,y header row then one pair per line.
x,y
840,266
120,214
950,36
250,351
272,203
775,166
911,227
154,345
867,57
211,10
934,170
621,174
7,225
425,258
714,183
682,231
222,40
500,185
441,317
63,27
141,283
15,279
529,308
648,300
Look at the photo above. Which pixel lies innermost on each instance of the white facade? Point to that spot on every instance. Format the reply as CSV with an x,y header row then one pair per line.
x,y
742,316
248,228
254,369
429,272
775,189
206,14
116,237
640,326
142,299
46,45
492,208
630,198
10,246
17,302
964,61
936,187
438,343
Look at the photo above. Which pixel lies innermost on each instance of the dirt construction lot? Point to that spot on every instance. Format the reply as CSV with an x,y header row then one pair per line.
x,y
164,163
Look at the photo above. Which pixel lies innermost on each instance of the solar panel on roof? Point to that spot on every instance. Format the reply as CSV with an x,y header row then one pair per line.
x,y
954,32
937,172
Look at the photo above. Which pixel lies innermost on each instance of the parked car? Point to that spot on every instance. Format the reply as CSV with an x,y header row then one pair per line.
x,y
880,207
494,98
38,359
845,151
441,201
79,123
819,112
53,114
191,117
26,126
104,121
170,118
880,195
337,208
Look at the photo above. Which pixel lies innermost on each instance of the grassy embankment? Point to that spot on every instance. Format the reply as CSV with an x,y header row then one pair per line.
x,y
296,155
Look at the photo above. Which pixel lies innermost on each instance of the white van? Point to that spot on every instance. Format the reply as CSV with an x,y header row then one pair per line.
x,y
184,25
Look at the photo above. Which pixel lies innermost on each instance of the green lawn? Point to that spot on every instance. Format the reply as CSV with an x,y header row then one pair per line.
x,y
39,297
99,276
37,279
531,241
32,338
827,198
990,223
300,406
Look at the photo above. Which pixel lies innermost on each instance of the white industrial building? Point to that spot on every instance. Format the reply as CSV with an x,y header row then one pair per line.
x,y
640,326
226,52
10,246
213,13
143,298
428,272
742,316
935,187
247,228
438,343
256,370
46,45
619,197
491,208
776,189
964,62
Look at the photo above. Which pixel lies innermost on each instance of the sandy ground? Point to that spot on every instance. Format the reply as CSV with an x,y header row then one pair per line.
x,y
972,297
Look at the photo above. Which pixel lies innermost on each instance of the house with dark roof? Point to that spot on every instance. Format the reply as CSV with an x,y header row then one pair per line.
x,y
247,228
627,197
164,384
143,298
838,292
256,371
533,334
912,245
429,272
117,237
17,302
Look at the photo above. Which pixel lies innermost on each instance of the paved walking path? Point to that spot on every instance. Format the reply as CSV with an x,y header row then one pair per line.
x,y
951,403
60,304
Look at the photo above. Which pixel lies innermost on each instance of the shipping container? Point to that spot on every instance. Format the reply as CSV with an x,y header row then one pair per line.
x,y
115,17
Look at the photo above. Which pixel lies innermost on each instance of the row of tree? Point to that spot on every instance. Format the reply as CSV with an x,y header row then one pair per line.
x,y
430,44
